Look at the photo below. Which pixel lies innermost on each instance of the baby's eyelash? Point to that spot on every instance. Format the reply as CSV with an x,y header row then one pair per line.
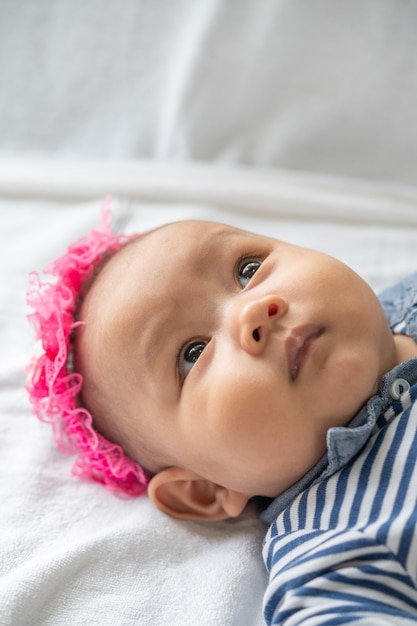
x,y
248,256
245,259
193,348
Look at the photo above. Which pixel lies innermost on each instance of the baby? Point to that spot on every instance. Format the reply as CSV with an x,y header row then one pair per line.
x,y
225,365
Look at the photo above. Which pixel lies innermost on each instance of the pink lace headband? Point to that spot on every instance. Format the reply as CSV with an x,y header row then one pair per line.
x,y
52,385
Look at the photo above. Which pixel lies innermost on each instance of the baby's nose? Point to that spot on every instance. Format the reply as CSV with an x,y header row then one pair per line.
x,y
257,320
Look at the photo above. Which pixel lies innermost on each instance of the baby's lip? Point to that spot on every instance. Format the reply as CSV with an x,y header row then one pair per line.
x,y
297,346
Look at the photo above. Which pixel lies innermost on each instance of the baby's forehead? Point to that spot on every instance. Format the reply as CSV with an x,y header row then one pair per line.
x,y
182,230
164,253
186,238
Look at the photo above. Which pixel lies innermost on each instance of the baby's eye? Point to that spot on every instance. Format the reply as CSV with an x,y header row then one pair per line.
x,y
246,270
189,355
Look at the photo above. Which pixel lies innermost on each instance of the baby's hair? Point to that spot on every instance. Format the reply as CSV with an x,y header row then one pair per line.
x,y
54,387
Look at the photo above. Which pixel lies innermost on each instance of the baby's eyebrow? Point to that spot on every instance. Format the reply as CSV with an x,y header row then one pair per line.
x,y
219,240
155,339
159,340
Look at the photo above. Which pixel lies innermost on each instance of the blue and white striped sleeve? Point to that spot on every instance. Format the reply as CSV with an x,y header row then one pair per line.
x,y
320,578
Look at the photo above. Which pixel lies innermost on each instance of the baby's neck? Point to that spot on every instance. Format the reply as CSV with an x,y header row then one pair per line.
x,y
405,347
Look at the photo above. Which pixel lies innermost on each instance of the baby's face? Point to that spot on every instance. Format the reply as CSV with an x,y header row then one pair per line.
x,y
230,354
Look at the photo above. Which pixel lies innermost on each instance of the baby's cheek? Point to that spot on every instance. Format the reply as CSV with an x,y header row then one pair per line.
x,y
242,402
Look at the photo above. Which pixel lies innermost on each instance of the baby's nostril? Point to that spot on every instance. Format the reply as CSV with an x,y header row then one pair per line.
x,y
256,334
272,310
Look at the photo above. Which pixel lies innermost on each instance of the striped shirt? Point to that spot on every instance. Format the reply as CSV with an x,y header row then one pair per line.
x,y
344,549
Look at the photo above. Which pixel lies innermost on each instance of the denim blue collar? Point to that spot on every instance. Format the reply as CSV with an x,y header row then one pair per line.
x,y
343,443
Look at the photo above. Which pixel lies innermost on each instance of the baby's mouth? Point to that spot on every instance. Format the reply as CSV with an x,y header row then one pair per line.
x,y
297,346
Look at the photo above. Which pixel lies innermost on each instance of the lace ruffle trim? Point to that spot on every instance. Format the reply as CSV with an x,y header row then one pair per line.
x,y
52,386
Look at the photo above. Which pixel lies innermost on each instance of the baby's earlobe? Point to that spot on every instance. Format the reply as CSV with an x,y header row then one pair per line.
x,y
185,495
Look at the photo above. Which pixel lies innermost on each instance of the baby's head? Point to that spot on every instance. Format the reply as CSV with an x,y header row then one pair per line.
x,y
218,359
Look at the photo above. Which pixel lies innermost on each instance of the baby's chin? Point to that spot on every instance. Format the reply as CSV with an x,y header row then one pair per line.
x,y
405,348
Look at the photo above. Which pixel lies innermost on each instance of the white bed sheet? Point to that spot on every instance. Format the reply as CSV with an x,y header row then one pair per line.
x,y
71,552
319,86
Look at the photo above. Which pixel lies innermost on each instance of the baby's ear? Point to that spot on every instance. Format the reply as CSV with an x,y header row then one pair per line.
x,y
186,495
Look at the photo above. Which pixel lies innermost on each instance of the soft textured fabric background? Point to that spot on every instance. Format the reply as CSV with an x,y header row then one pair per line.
x,y
320,85
294,118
